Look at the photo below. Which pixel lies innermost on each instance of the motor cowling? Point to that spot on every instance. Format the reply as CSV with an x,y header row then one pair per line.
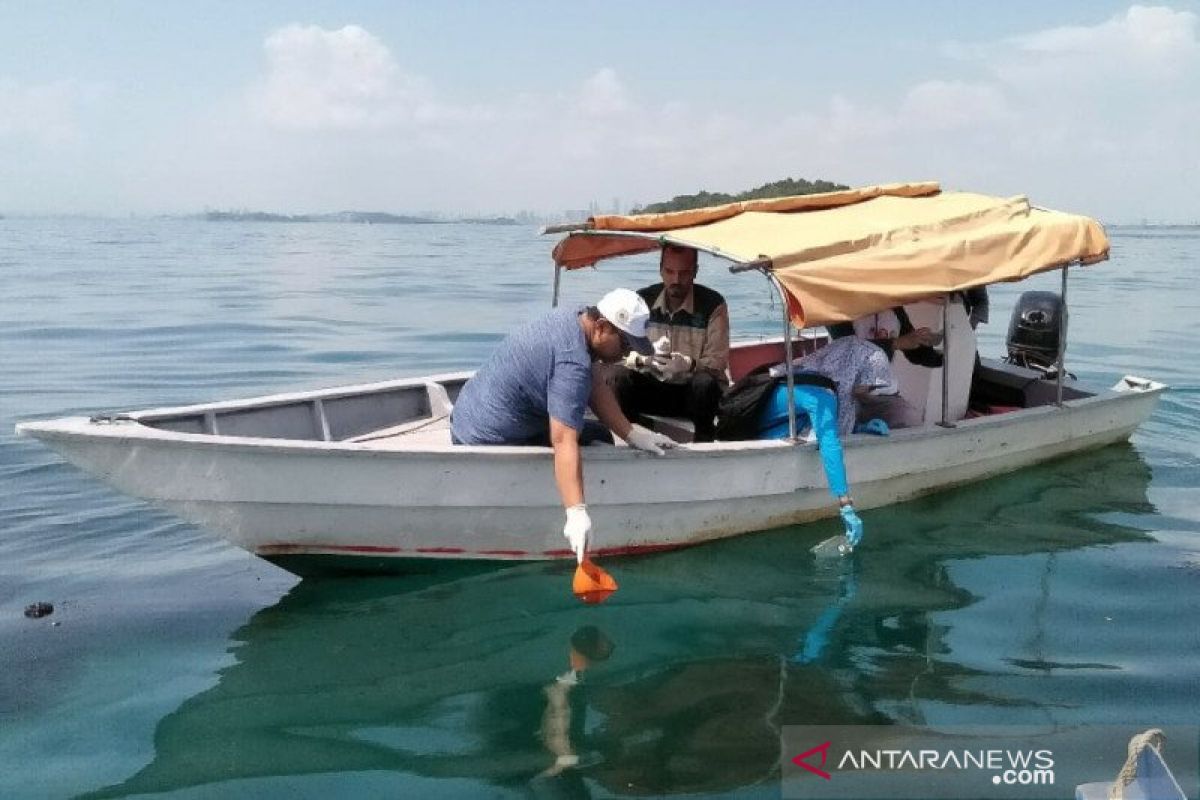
x,y
1035,329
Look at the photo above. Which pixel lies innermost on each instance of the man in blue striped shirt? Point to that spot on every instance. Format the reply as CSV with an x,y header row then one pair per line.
x,y
535,388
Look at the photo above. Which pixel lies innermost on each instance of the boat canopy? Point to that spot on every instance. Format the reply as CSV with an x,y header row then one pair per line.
x,y
840,255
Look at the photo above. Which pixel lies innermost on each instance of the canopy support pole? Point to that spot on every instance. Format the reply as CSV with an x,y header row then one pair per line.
x,y
1062,339
787,355
946,423
557,280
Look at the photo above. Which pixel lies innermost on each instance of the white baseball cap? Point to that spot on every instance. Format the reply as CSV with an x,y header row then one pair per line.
x,y
628,312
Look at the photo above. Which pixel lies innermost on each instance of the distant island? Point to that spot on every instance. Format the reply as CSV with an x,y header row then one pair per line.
x,y
783,188
359,217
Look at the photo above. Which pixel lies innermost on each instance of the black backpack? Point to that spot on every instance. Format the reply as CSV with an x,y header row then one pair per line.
x,y
737,413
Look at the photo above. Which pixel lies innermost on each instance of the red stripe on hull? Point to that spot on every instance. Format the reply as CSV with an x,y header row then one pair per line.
x,y
281,549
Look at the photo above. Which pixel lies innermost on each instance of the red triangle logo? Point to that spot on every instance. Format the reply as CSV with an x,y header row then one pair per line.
x,y
823,749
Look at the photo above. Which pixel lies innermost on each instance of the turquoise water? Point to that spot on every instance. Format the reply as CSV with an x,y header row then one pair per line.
x,y
182,667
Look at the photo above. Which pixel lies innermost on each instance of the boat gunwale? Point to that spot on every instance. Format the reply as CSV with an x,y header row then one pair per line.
x,y
303,396
133,428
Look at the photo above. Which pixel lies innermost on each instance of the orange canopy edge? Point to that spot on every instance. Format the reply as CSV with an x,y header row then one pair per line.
x,y
779,205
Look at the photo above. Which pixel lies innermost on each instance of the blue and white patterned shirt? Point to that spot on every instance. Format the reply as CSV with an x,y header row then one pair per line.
x,y
541,370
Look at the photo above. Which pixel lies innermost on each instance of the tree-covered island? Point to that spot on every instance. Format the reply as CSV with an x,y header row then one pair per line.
x,y
782,188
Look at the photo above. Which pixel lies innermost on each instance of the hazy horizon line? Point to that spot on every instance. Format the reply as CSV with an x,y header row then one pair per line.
x,y
442,216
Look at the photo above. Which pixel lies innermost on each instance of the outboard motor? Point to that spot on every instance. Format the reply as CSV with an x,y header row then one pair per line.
x,y
1034,330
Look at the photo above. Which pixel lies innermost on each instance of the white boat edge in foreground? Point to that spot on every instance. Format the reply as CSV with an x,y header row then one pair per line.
x,y
281,498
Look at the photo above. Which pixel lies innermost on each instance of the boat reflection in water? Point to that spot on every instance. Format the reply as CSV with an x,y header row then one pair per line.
x,y
499,679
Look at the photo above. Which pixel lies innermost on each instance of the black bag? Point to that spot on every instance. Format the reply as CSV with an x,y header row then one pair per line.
x,y
737,413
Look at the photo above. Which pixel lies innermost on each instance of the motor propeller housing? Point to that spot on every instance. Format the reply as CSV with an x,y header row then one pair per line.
x,y
1035,330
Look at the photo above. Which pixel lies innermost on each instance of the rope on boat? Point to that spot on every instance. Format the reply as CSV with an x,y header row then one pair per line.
x,y
1152,738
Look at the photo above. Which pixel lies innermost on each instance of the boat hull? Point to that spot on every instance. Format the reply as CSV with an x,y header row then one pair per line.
x,y
284,499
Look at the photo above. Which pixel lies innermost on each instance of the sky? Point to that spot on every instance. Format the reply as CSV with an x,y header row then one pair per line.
x,y
121,108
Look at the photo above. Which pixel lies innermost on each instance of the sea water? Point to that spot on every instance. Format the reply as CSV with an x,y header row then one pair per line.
x,y
175,665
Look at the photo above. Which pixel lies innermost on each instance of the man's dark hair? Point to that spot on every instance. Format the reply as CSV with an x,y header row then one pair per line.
x,y
693,254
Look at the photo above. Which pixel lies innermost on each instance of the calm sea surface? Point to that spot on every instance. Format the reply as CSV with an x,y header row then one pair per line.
x,y
175,665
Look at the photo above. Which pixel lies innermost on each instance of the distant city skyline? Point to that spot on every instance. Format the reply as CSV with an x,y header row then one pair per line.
x,y
470,109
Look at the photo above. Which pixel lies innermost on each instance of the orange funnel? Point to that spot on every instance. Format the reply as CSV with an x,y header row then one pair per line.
x,y
591,583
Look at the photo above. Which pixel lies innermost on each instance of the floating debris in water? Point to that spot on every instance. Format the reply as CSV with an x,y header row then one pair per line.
x,y
39,610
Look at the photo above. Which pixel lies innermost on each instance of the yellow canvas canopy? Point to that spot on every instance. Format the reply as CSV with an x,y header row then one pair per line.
x,y
841,255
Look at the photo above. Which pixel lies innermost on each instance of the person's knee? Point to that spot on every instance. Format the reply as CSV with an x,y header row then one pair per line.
x,y
706,386
705,381
703,398
892,409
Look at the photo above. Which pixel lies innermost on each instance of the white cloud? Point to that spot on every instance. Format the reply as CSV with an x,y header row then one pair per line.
x,y
1102,118
1145,46
953,105
342,79
1155,33
46,114
603,95
1057,113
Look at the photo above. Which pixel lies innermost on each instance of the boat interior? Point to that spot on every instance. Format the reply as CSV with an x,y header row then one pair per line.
x,y
415,413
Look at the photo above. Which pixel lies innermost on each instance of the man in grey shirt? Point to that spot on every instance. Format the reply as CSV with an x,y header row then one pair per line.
x,y
535,387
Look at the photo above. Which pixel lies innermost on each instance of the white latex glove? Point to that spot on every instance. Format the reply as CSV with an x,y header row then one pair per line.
x,y
662,346
577,530
649,441
672,367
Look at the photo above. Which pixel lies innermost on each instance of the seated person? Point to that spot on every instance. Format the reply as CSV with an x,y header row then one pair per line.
x,y
687,379
913,330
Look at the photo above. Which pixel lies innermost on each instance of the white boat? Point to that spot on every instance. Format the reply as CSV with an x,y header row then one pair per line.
x,y
368,471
